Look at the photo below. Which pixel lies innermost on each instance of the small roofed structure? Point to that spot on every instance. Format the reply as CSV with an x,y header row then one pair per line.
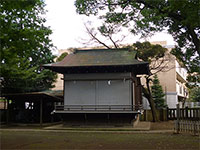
x,y
101,84
32,107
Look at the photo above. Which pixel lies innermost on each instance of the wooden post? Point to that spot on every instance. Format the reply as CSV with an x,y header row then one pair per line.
x,y
52,114
5,104
7,112
162,114
108,118
85,119
186,112
41,106
167,113
195,127
174,113
146,115
178,117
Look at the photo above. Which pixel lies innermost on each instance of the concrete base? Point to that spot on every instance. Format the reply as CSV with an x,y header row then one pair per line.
x,y
143,125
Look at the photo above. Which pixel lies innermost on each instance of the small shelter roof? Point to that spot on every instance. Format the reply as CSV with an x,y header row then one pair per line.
x,y
36,96
100,60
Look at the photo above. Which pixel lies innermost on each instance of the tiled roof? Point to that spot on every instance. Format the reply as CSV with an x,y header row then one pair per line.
x,y
98,58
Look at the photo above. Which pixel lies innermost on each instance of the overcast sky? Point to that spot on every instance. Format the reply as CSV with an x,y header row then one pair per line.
x,y
68,26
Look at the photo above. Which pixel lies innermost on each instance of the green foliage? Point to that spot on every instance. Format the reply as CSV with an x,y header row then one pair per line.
x,y
25,46
148,52
145,17
195,94
194,80
157,93
62,56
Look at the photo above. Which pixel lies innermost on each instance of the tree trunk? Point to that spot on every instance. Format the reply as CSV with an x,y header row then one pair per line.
x,y
148,95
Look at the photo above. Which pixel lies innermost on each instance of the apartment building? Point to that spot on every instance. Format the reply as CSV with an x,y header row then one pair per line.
x,y
58,85
173,78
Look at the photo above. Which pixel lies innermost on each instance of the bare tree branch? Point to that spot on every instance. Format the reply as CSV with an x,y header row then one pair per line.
x,y
114,43
93,36
107,32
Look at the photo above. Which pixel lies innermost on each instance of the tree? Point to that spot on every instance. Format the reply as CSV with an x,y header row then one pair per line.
x,y
180,18
105,35
25,46
61,57
195,94
154,54
157,93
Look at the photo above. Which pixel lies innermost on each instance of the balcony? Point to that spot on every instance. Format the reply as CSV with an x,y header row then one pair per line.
x,y
181,73
96,109
180,77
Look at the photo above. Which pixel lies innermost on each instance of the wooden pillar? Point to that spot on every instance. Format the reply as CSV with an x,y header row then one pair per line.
x,y
186,112
5,104
85,118
108,118
41,112
167,113
195,127
7,112
178,117
52,115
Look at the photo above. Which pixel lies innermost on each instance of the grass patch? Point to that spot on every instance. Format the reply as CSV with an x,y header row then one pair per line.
x,y
80,140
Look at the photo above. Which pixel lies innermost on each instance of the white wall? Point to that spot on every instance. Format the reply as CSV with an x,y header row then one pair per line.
x,y
98,91
145,104
172,99
181,71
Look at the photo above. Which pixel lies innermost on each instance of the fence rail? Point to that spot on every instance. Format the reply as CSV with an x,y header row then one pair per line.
x,y
96,107
185,113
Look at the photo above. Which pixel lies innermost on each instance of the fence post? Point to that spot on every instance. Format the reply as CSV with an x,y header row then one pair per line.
x,y
195,128
146,115
162,114
186,112
167,113
7,112
178,117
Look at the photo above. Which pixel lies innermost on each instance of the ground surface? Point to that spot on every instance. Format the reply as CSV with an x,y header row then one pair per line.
x,y
162,125
41,139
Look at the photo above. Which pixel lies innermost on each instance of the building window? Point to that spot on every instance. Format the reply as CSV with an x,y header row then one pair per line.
x,y
185,92
181,90
177,87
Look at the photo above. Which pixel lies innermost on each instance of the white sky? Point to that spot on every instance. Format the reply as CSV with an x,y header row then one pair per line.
x,y
68,26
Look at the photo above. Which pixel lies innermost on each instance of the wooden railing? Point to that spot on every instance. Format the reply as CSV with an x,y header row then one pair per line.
x,y
96,107
187,120
185,113
189,126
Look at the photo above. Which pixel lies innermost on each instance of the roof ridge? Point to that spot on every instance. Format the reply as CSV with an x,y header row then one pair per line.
x,y
104,49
